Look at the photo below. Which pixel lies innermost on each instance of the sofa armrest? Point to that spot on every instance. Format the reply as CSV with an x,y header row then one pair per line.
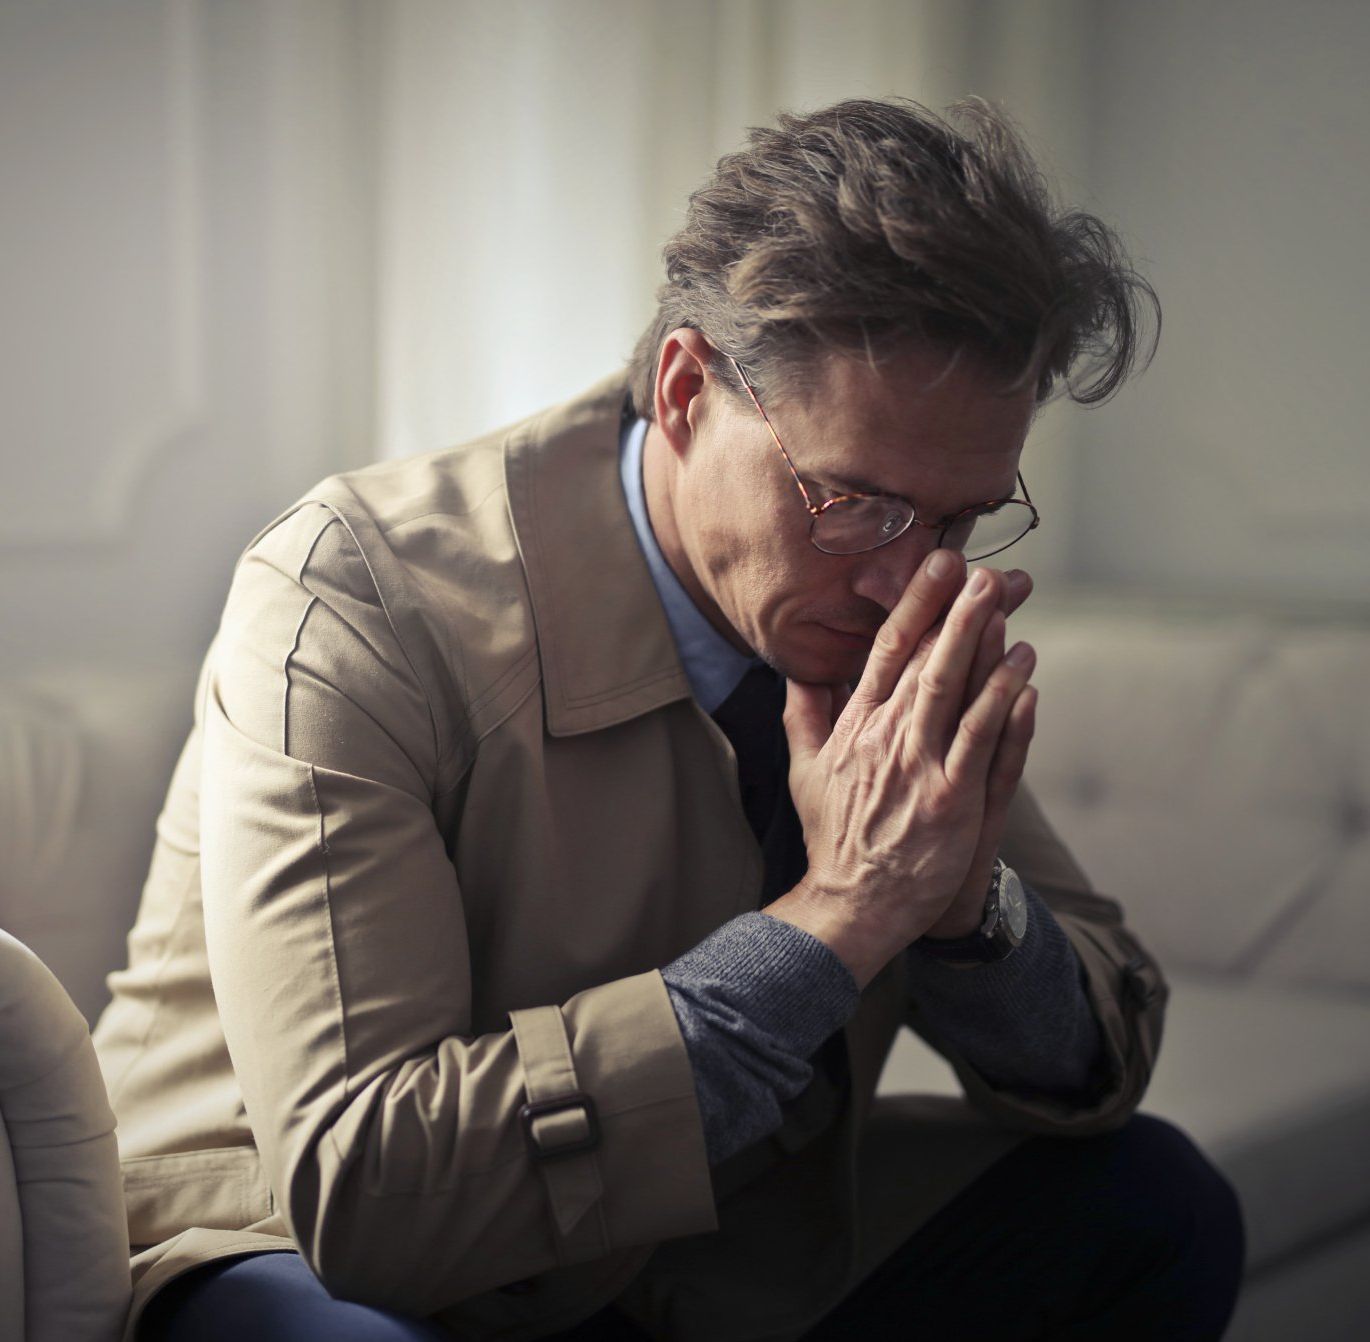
x,y
72,1251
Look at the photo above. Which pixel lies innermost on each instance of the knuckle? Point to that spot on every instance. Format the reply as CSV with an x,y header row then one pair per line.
x,y
978,730
893,642
942,803
933,682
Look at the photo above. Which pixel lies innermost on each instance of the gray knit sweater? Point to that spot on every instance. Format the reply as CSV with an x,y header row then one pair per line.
x,y
757,997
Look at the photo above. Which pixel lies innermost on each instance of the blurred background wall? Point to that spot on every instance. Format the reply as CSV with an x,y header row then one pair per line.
x,y
247,243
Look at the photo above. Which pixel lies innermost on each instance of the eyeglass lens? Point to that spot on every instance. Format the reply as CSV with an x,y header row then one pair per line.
x,y
852,525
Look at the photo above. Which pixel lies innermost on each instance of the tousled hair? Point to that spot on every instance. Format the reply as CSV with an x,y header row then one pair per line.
x,y
874,223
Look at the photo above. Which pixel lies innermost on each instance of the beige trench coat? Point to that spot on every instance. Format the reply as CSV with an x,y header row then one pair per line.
x,y
447,807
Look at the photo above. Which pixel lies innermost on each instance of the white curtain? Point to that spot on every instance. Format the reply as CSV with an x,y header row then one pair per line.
x,y
534,156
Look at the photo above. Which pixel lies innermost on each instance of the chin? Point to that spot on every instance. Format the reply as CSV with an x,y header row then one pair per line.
x,y
828,665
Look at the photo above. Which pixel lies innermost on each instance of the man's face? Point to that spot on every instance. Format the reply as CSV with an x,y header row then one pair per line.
x,y
939,433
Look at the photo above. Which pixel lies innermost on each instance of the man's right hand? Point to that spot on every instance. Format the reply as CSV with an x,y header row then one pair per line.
x,y
892,795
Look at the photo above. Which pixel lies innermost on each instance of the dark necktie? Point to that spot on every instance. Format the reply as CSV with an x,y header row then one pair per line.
x,y
751,719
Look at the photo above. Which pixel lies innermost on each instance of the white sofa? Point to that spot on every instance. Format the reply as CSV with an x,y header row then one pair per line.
x,y
1211,770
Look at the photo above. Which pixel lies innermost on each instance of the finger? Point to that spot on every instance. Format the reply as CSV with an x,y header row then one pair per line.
x,y
987,656
1017,589
935,583
1010,757
1005,773
977,738
808,719
922,652
939,687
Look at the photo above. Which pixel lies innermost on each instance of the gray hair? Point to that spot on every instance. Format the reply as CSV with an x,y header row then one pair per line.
x,y
874,223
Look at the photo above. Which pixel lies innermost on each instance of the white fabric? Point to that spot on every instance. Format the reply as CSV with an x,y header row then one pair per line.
x,y
1272,1082
1213,773
74,1252
85,756
1323,1295
533,158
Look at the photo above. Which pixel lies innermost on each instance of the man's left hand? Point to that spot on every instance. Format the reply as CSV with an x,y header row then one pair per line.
x,y
966,911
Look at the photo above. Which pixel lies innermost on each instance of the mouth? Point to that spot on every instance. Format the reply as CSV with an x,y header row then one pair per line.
x,y
851,640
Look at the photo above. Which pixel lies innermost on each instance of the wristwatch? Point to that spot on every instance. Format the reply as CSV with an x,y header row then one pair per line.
x,y
1000,933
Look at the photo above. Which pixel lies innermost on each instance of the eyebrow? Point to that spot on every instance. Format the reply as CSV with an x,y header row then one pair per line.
x,y
850,484
854,485
861,486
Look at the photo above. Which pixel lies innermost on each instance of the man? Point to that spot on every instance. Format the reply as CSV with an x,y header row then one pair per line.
x,y
508,969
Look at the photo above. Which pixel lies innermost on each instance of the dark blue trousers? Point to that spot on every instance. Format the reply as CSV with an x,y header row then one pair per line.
x,y
1125,1235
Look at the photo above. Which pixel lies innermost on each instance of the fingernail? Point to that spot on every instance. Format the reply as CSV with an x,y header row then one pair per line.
x,y
940,564
1016,578
1020,655
979,582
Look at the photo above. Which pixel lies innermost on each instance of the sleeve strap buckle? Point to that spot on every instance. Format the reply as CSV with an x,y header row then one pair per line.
x,y
570,1124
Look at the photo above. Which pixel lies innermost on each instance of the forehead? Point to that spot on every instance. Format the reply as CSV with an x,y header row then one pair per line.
x,y
923,423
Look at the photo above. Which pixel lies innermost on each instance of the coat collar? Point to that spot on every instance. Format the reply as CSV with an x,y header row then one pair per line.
x,y
605,646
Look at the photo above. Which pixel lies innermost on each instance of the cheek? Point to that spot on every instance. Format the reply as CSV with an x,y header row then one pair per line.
x,y
753,572
800,590
742,529
755,549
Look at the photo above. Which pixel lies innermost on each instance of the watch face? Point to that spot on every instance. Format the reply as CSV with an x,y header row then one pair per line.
x,y
1012,903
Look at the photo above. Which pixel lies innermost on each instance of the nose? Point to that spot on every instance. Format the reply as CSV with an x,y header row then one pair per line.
x,y
881,575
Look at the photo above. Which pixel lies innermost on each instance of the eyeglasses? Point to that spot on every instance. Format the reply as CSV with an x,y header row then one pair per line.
x,y
851,523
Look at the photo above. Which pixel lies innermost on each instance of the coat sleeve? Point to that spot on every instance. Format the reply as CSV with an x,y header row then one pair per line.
x,y
390,1133
1123,983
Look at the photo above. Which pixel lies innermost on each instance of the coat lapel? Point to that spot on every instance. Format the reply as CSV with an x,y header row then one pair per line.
x,y
606,648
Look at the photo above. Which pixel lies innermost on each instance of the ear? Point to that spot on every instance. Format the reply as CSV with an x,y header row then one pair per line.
x,y
683,372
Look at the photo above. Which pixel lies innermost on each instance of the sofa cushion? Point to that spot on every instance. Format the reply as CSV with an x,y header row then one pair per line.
x,y
1273,1083
85,757
1212,772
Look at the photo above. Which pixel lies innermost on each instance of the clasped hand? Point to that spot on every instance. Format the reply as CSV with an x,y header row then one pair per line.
x,y
903,783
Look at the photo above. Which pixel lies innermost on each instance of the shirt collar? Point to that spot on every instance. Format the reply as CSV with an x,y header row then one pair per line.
x,y
712,665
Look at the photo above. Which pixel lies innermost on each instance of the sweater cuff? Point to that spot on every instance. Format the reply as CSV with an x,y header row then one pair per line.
x,y
1024,1021
765,973
1043,945
754,1000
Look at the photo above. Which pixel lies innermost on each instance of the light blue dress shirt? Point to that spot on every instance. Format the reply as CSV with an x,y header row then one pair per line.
x,y
712,665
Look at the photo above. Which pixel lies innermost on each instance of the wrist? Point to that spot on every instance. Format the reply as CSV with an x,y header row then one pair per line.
x,y
864,951
1004,925
963,919
965,915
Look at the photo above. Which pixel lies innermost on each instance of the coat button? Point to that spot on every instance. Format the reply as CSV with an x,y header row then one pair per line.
x,y
519,1287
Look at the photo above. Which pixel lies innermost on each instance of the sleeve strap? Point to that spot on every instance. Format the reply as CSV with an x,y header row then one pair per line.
x,y
561,1129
